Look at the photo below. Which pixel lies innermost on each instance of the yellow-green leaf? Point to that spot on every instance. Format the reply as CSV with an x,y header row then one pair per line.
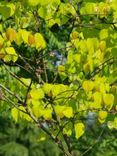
x,y
33,2
103,34
79,129
68,112
102,115
47,114
47,88
37,110
15,114
39,41
37,93
59,111
88,85
108,100
10,54
97,99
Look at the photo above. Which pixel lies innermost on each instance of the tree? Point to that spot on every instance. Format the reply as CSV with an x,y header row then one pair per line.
x,y
58,65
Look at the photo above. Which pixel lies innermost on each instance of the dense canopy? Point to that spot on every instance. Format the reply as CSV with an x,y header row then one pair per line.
x,y
58,65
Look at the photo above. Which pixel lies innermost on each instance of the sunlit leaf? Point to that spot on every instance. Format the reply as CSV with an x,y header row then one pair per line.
x,y
10,54
79,129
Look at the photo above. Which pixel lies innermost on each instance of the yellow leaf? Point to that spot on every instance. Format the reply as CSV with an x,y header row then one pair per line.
x,y
74,35
61,68
102,88
47,114
102,115
88,67
97,99
112,124
77,58
11,34
10,54
2,53
26,81
36,102
18,114
47,88
56,90
79,130
15,114
37,110
19,39
37,93
68,112
59,111
39,41
66,8
31,39
67,131
108,100
88,85
24,35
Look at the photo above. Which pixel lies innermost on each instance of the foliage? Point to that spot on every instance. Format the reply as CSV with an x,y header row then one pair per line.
x,y
23,139
58,64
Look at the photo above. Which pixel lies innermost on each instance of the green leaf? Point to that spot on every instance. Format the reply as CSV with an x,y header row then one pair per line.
x,y
13,149
114,52
7,10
